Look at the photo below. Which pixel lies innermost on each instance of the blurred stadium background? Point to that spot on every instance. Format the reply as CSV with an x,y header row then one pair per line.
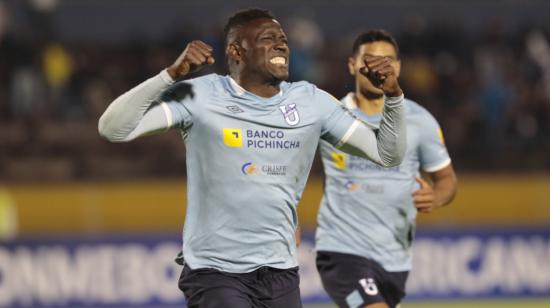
x,y
88,223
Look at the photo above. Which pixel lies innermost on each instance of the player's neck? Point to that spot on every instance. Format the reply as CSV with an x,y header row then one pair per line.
x,y
256,86
369,104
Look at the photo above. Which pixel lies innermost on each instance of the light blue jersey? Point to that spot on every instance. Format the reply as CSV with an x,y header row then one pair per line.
x,y
368,210
247,158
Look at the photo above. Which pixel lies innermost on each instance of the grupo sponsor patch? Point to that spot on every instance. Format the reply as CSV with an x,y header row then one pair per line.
x,y
250,168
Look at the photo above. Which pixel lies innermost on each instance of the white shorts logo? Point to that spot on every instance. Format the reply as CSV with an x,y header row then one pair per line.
x,y
369,286
290,113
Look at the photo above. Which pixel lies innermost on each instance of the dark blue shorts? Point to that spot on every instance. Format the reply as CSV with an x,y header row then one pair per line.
x,y
353,281
264,287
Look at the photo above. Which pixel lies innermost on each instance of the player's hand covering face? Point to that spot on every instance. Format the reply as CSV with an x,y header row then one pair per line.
x,y
264,50
376,68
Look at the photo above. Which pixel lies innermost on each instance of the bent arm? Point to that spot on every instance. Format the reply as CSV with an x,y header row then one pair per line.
x,y
132,114
444,185
385,147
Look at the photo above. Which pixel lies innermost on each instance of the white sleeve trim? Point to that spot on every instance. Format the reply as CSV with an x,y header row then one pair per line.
x,y
438,166
168,114
166,77
348,134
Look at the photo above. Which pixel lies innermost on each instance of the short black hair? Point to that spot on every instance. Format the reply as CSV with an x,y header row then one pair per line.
x,y
241,18
372,36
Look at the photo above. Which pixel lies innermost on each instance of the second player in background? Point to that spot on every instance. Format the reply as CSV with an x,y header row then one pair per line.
x,y
368,212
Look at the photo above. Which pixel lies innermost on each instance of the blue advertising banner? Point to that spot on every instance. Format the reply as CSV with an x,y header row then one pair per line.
x,y
481,264
139,271
98,272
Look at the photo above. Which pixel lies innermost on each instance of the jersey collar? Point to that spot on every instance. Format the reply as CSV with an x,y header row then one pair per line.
x,y
240,91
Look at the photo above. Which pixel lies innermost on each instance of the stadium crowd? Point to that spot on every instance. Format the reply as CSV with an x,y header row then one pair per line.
x,y
489,89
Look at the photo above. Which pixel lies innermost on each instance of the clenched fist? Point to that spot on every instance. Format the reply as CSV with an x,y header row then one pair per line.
x,y
197,54
382,75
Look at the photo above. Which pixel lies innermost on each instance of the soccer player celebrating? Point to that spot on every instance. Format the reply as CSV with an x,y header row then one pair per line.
x,y
367,215
250,141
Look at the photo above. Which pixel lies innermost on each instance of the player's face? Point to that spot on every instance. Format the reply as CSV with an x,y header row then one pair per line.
x,y
355,63
266,51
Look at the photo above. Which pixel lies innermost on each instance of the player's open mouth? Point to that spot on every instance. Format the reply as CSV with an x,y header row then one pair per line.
x,y
278,61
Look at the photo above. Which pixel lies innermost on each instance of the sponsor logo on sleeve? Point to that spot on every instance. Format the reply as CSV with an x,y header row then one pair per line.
x,y
440,135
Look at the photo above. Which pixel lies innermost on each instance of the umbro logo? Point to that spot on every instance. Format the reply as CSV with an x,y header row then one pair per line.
x,y
234,109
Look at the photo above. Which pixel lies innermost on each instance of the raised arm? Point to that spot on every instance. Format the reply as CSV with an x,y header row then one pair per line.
x,y
385,146
136,112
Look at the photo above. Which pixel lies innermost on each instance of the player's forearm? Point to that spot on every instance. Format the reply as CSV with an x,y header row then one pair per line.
x,y
386,148
444,185
445,189
119,122
392,133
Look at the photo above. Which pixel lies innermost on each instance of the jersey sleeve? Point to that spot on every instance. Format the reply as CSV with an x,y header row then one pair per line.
x,y
180,101
385,146
432,151
152,107
336,119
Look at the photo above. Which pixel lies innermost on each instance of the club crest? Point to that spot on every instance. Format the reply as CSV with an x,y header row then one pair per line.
x,y
290,112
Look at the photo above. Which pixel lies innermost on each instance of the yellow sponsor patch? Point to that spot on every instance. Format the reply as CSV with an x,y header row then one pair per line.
x,y
440,134
339,160
233,137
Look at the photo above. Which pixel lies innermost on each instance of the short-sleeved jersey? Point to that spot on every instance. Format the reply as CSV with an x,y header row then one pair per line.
x,y
247,158
368,210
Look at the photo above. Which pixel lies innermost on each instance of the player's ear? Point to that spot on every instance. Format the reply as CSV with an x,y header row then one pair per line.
x,y
351,66
233,52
